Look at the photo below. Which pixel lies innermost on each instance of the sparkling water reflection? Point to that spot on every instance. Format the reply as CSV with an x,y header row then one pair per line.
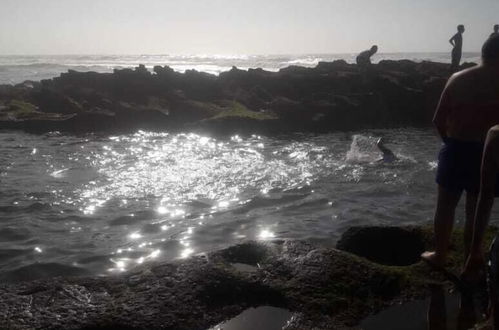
x,y
107,204
183,178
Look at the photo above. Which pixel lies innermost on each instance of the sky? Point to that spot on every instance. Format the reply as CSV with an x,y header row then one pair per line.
x,y
36,27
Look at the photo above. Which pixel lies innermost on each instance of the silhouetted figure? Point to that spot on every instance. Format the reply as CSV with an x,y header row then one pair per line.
x,y
388,155
468,107
457,43
364,58
474,269
496,31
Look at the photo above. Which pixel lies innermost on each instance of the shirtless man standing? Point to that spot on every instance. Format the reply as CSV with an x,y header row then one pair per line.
x,y
457,43
474,269
489,188
468,107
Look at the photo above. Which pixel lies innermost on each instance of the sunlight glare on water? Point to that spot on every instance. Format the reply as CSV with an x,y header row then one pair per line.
x,y
188,167
178,174
107,204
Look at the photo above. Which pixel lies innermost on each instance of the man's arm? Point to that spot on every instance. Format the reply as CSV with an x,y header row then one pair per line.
x,y
489,173
452,40
443,109
490,167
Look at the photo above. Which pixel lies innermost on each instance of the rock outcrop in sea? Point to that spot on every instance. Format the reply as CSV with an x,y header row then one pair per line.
x,y
324,288
332,96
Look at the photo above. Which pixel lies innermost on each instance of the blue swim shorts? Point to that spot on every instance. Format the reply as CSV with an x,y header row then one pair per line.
x,y
459,165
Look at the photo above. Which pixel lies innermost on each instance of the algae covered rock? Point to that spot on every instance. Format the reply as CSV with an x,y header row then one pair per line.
x,y
332,96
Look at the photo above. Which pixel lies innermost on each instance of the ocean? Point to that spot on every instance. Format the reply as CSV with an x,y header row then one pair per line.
x,y
99,205
16,69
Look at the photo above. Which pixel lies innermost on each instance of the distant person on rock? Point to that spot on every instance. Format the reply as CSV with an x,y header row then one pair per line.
x,y
496,31
457,51
364,58
388,155
468,107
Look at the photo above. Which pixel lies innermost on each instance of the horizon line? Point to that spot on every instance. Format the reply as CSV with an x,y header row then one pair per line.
x,y
228,55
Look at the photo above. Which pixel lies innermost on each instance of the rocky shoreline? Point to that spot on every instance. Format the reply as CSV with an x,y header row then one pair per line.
x,y
332,96
372,268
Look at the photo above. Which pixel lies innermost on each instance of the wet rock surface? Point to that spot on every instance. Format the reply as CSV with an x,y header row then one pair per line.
x,y
323,288
332,96
392,246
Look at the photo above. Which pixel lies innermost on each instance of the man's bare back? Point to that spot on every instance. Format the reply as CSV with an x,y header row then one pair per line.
x,y
470,104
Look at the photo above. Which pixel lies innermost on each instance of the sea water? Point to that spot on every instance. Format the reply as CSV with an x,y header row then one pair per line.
x,y
103,204
99,204
16,69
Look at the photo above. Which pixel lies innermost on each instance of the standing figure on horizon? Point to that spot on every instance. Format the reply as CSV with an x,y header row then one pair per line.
x,y
457,43
496,31
468,107
364,58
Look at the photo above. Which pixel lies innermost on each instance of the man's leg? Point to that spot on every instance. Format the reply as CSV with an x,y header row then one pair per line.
x,y
444,220
456,60
492,282
454,64
471,200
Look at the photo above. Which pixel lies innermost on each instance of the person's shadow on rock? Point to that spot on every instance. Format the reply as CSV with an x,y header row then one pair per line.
x,y
437,311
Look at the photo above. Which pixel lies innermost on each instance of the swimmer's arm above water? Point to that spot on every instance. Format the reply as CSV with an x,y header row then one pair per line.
x,y
381,146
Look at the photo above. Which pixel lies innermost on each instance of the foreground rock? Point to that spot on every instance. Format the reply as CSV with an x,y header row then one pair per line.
x,y
332,96
324,288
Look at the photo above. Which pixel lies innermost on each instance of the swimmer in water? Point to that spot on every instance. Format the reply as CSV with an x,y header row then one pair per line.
x,y
388,155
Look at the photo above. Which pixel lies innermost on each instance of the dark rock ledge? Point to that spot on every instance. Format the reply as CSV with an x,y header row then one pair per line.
x,y
332,96
324,288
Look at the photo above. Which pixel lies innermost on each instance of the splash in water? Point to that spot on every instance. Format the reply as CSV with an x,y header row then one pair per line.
x,y
363,150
